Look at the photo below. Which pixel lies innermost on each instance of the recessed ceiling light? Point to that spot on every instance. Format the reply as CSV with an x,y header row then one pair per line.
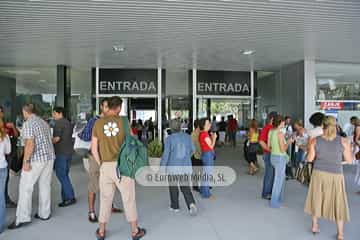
x,y
23,72
248,52
118,48
102,0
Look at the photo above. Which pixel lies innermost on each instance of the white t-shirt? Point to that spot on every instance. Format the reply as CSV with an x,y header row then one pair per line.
x,y
349,130
5,148
315,132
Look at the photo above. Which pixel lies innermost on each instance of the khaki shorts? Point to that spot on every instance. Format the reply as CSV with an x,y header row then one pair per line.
x,y
94,175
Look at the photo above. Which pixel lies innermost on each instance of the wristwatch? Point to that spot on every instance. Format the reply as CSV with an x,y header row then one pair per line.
x,y
27,161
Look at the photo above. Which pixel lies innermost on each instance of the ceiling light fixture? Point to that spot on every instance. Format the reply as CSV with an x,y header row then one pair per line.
x,y
102,0
118,48
248,52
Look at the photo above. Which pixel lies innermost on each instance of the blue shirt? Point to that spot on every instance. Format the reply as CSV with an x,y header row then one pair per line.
x,y
177,152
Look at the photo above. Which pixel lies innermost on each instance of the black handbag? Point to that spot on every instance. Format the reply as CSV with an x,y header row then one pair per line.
x,y
14,159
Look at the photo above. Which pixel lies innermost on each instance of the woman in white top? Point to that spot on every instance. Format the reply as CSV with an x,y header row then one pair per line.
x,y
5,148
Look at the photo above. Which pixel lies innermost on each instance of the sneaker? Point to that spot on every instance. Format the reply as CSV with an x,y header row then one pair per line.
x,y
175,210
10,204
193,210
67,203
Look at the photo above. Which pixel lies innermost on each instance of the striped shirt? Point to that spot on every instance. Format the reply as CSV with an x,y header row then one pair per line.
x,y
37,129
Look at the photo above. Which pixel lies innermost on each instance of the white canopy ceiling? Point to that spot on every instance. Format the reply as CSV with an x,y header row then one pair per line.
x,y
179,33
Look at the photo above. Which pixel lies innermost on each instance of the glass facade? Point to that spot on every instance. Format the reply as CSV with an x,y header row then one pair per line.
x,y
27,85
338,90
336,81
81,105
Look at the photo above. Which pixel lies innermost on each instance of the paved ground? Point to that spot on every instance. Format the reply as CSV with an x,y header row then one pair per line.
x,y
237,213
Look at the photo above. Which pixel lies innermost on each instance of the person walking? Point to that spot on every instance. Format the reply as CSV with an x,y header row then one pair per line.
x,y
13,135
268,180
253,146
176,163
232,129
107,139
38,165
207,144
327,196
196,157
140,128
5,149
62,139
279,158
222,131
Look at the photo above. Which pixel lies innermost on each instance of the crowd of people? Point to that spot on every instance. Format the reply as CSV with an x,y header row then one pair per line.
x,y
145,131
327,147
285,144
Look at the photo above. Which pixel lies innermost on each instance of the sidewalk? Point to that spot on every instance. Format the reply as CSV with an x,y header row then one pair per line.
x,y
237,213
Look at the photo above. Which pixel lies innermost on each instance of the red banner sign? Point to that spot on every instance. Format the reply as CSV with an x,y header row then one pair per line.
x,y
332,105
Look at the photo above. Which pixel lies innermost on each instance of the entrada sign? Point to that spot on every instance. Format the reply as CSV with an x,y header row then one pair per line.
x,y
128,86
224,88
127,81
223,83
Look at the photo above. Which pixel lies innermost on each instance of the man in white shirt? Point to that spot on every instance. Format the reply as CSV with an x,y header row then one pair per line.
x,y
349,127
316,120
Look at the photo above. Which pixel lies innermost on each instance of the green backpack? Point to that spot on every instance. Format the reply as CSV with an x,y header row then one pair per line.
x,y
133,154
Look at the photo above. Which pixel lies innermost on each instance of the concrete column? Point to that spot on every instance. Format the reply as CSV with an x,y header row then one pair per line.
x,y
309,90
63,88
194,95
159,103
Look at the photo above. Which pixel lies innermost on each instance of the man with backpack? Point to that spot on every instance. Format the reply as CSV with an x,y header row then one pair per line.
x,y
108,137
94,168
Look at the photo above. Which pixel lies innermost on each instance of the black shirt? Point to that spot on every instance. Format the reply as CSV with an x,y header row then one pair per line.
x,y
64,130
222,126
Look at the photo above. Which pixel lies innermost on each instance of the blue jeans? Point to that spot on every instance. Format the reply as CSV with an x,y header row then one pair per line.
x,y
62,169
3,176
268,176
208,165
277,196
299,157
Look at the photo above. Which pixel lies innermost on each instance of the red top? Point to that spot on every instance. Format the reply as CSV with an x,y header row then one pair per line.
x,y
204,146
232,125
134,130
9,131
265,133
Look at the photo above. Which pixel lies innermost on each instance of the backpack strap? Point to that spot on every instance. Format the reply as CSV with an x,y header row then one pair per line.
x,y
126,125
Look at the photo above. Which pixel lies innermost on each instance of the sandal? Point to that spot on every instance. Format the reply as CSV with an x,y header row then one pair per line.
x,y
140,233
340,237
99,236
315,230
92,217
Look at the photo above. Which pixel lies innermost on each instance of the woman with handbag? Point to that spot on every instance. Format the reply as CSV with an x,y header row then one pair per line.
x,y
279,158
327,196
5,148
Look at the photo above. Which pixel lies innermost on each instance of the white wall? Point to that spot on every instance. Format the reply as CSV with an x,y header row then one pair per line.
x,y
309,90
